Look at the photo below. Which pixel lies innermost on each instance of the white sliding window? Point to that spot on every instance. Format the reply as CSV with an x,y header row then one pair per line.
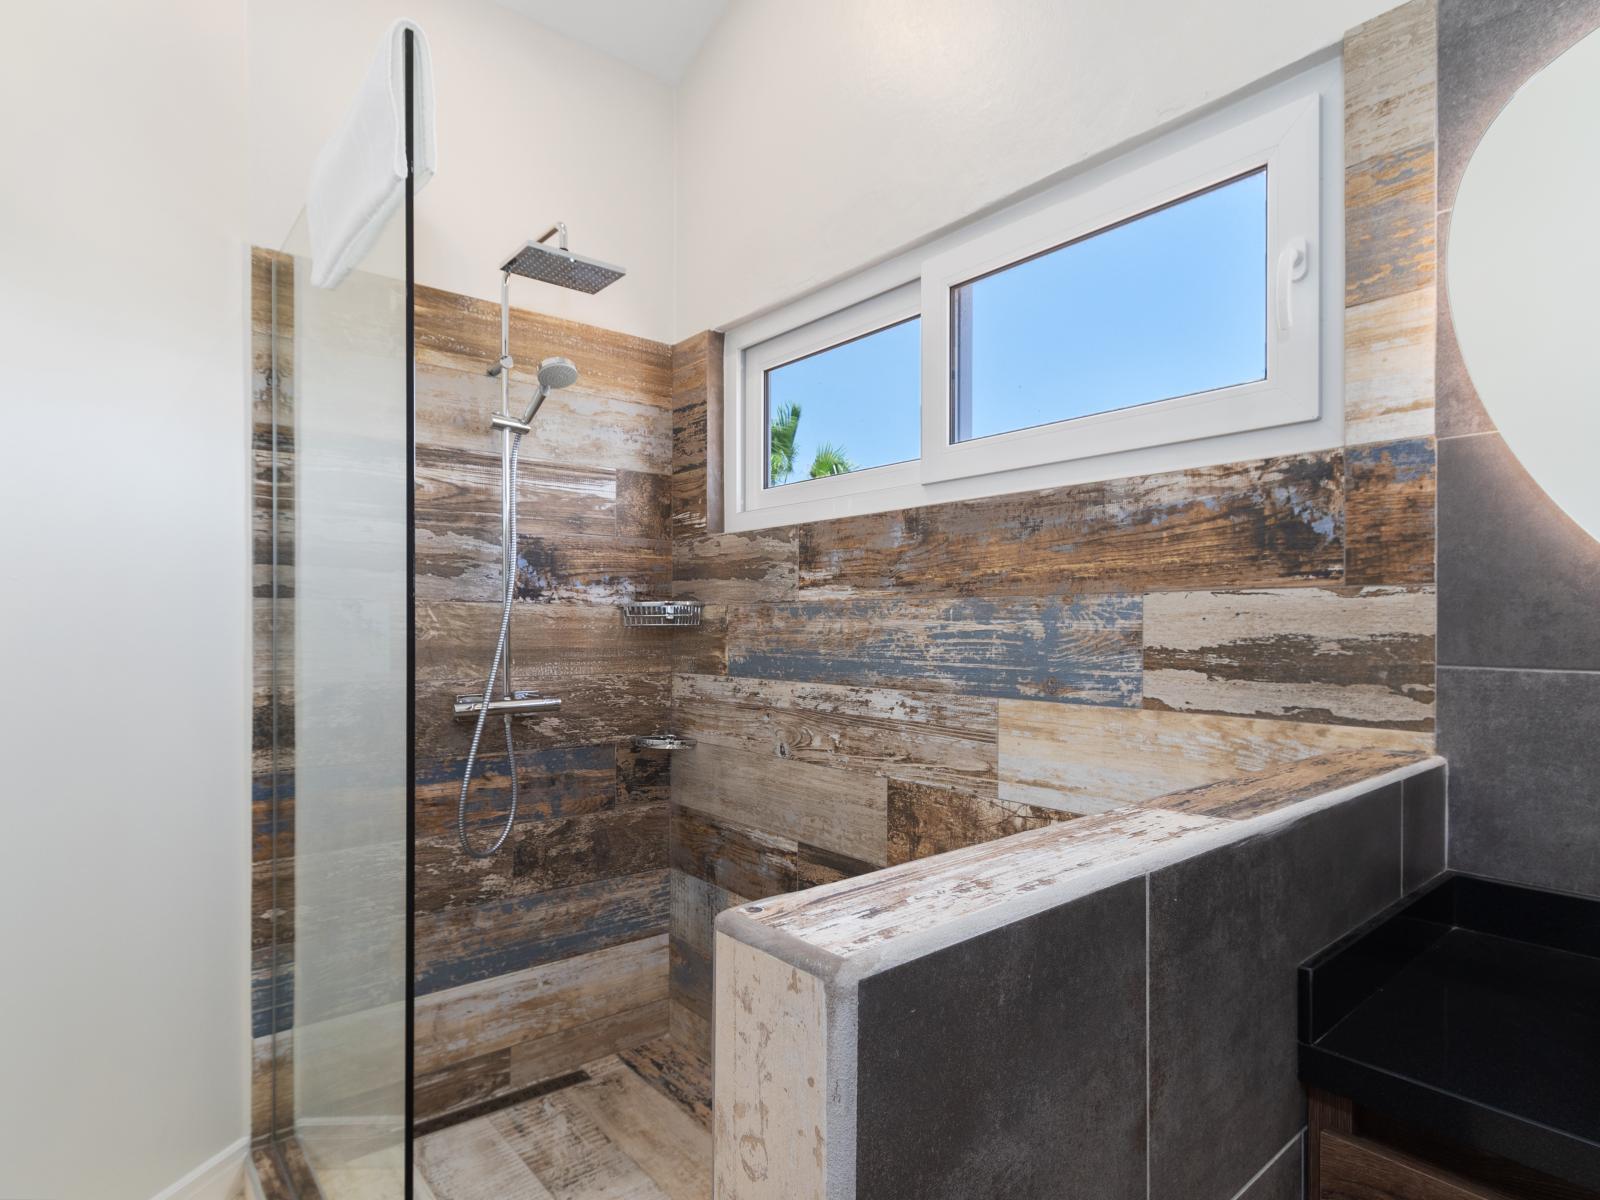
x,y
1156,311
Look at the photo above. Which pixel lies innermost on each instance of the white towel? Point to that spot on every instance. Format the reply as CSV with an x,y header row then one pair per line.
x,y
360,177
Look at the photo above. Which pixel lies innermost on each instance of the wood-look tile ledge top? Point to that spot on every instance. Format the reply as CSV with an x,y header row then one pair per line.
x,y
1268,791
904,911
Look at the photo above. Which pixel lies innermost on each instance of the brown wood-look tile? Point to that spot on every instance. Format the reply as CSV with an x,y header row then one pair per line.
x,y
553,499
1083,649
455,640
915,735
463,333
1390,490
302,1178
569,1153
1270,521
1390,237
594,708
542,856
734,857
643,776
498,1100
925,819
1268,791
702,649
736,568
540,1058
675,1071
689,1028
264,1064
1389,368
271,295
819,866
504,1012
650,1126
603,573
843,811
1391,81
471,1161
697,434
1084,759
565,782
603,845
695,907
644,506
274,1179
581,426
468,943
1342,656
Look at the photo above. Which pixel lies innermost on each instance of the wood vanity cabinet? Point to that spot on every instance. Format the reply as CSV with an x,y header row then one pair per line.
x,y
1353,1168
1352,1154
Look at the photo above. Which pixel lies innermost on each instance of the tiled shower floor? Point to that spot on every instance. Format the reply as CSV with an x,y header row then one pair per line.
x,y
637,1128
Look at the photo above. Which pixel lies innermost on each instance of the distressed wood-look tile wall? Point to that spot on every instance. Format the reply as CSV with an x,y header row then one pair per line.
x,y
553,952
879,688
271,824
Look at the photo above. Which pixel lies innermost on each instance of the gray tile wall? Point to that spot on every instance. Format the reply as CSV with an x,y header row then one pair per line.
x,y
1012,1064
1519,584
1281,1179
1227,930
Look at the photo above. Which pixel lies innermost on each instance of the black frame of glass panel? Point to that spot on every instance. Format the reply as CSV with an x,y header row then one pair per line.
x,y
411,623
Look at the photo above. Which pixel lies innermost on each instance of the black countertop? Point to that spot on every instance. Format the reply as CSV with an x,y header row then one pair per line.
x,y
1471,1008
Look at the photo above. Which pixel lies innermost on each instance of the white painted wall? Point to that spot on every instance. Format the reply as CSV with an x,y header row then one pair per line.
x,y
533,128
124,487
817,138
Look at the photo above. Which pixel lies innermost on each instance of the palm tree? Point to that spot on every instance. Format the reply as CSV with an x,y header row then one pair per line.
x,y
830,460
781,440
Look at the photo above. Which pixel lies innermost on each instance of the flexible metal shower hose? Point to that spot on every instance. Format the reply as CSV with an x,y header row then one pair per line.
x,y
508,569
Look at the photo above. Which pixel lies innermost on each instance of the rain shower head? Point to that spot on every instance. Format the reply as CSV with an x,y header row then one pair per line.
x,y
558,265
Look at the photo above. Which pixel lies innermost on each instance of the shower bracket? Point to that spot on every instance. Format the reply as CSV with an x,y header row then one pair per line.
x,y
502,421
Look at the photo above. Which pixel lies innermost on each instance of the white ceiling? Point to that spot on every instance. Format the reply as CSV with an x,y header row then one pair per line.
x,y
658,36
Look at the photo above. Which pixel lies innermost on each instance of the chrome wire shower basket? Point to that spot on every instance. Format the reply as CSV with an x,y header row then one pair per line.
x,y
662,613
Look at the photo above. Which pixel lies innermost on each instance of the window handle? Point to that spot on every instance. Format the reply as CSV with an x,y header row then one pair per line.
x,y
1294,261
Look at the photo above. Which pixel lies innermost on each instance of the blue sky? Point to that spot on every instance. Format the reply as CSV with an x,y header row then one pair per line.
x,y
1170,303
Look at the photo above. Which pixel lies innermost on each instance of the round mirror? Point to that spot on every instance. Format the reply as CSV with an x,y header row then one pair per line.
x,y
1524,278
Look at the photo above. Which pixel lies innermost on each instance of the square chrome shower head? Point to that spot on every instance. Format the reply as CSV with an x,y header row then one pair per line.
x,y
563,268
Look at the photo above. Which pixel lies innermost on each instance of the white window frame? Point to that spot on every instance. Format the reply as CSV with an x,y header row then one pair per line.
x,y
1283,129
834,329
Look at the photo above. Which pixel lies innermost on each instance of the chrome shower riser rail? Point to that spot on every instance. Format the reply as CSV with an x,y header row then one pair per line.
x,y
554,373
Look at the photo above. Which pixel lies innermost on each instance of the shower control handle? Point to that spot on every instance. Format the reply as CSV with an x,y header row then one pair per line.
x,y
521,704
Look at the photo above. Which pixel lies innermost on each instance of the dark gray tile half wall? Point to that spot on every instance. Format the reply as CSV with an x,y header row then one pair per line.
x,y
1524,752
1227,931
1519,582
1284,1177
1422,841
1011,1065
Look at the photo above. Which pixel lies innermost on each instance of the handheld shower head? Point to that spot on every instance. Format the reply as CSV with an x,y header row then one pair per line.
x,y
557,373
554,374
